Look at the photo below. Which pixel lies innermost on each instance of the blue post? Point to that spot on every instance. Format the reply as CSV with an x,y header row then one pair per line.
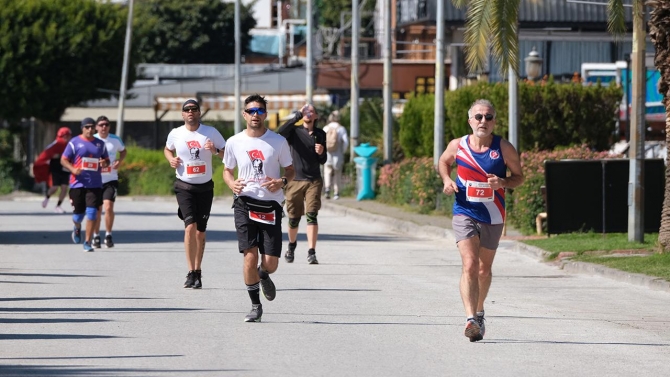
x,y
365,168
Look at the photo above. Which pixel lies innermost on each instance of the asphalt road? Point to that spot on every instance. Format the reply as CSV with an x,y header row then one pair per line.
x,y
380,303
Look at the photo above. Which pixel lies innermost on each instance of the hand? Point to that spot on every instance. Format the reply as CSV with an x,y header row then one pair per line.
x,y
238,185
103,162
495,181
175,161
450,187
116,164
210,146
273,184
319,148
75,171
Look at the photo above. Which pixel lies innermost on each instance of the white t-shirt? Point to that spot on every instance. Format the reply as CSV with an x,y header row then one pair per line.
x,y
258,160
196,161
113,144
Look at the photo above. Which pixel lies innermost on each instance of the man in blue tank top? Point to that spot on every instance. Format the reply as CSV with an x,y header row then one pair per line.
x,y
482,160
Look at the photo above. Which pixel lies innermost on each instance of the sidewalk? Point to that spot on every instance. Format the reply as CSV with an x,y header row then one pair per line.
x,y
433,226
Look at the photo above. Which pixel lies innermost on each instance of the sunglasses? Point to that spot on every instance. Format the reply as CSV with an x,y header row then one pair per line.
x,y
103,124
479,117
190,109
88,126
255,110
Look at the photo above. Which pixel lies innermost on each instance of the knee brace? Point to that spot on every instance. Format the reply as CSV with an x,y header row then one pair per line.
x,y
91,213
311,218
78,218
293,223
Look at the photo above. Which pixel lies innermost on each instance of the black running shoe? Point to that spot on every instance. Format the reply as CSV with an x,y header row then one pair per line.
x,y
311,259
197,282
289,256
472,330
190,279
255,314
269,290
108,241
96,242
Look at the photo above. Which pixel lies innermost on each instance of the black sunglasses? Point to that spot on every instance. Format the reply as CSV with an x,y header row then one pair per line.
x,y
88,126
103,124
191,109
255,110
488,117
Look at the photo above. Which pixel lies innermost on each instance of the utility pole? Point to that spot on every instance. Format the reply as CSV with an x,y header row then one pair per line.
x,y
637,128
124,71
388,85
438,140
238,75
309,89
513,107
355,32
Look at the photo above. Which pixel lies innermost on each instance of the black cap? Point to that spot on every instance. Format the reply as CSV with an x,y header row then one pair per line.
x,y
190,102
87,121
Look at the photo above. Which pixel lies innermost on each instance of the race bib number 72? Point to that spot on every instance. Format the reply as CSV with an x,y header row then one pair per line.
x,y
478,191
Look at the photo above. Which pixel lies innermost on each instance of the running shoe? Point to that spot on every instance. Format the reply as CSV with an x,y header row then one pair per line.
x,y
45,202
197,281
190,279
482,325
96,242
255,314
76,235
108,241
311,259
58,209
472,329
289,256
269,290
88,248
336,197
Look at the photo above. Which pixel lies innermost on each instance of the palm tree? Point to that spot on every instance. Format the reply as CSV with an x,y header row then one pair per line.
x,y
659,32
493,24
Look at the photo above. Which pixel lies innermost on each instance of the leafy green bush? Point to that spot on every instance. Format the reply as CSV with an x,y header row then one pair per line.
x,y
147,172
550,115
413,182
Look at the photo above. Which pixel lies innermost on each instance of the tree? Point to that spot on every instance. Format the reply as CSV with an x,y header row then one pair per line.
x,y
495,21
57,53
331,11
196,32
659,32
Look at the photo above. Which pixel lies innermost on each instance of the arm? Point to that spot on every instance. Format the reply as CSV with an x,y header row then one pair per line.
x,y
169,155
122,156
67,165
320,149
513,162
235,185
287,128
445,166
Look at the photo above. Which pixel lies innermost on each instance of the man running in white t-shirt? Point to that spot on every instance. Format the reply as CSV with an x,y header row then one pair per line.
x,y
110,180
258,154
189,149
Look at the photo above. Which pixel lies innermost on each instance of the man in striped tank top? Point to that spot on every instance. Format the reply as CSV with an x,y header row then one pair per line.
x,y
482,160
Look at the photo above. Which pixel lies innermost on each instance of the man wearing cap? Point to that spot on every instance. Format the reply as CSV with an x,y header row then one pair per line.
x,y
110,180
84,157
48,162
189,150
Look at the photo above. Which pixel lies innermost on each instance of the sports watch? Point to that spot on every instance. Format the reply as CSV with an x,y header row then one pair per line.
x,y
284,181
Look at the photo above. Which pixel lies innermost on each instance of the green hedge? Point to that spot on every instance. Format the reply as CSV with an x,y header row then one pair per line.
x,y
550,115
147,172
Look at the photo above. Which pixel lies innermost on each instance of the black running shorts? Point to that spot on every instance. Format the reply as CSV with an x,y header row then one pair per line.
x,y
195,202
252,233
85,197
109,190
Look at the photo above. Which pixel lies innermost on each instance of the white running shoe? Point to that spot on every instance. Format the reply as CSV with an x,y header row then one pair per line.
x,y
58,209
45,202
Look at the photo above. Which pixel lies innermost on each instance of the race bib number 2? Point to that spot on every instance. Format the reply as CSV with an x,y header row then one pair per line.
x,y
106,170
478,191
196,168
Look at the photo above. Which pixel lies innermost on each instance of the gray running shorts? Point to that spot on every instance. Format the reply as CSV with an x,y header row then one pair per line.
x,y
465,227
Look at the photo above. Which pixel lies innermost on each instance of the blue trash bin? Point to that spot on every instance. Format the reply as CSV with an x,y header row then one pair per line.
x,y
365,171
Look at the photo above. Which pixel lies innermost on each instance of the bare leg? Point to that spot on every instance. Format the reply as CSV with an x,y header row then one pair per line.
x,y
269,263
109,216
89,229
63,192
312,235
96,226
469,286
190,245
250,268
485,275
292,234
200,241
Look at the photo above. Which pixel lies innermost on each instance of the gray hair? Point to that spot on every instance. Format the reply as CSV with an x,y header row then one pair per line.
x,y
482,102
334,117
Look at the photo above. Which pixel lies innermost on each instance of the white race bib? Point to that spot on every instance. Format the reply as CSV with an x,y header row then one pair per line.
x,y
89,163
106,170
196,168
478,191
265,218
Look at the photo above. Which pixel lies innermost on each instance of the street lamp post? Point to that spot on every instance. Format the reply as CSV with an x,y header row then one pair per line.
x,y
533,65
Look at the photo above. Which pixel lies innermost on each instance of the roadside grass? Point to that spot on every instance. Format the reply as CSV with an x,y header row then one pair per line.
x,y
612,250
